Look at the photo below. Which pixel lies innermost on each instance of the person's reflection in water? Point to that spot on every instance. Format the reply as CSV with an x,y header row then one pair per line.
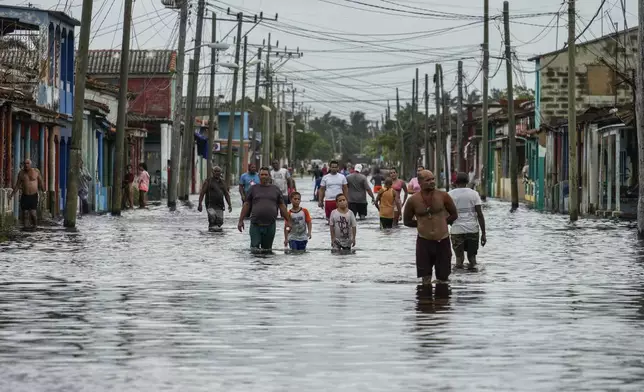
x,y
428,303
432,319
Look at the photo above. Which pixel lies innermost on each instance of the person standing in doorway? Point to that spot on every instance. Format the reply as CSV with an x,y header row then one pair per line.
x,y
414,186
385,203
465,229
246,181
280,180
264,199
399,186
358,186
29,183
434,210
331,185
343,225
84,178
215,191
297,236
144,184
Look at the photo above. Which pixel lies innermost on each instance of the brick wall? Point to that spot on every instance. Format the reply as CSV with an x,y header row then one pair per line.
x,y
597,84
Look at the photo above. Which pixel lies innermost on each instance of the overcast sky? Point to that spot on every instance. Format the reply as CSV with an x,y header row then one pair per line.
x,y
356,52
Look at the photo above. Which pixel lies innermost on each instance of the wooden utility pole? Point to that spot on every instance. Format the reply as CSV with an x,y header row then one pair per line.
x,y
242,109
185,134
447,132
291,155
573,176
439,128
121,119
486,72
512,130
401,141
266,136
175,152
459,120
412,129
258,109
189,129
231,117
428,153
212,115
71,198
639,112
283,122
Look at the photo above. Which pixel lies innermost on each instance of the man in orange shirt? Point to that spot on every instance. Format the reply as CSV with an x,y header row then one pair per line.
x,y
385,202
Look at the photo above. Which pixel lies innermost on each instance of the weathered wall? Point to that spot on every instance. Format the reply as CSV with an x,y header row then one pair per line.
x,y
597,84
106,99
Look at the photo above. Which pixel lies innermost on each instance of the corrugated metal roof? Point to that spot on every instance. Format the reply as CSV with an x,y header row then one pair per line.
x,y
142,62
19,59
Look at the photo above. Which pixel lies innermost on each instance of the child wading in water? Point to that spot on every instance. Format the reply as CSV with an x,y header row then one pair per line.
x,y
385,203
300,231
343,225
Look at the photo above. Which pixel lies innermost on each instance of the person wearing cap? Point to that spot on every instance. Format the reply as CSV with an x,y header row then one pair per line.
x,y
359,186
465,229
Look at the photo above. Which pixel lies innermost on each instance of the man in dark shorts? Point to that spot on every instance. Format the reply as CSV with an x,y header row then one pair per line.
x,y
434,210
465,230
358,186
265,200
29,182
215,191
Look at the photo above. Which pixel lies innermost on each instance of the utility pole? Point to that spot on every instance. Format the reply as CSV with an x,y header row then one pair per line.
x,y
639,112
283,122
459,120
427,149
253,142
514,183
211,101
266,137
573,176
185,134
401,141
416,129
242,120
412,126
291,156
121,119
439,128
486,72
189,129
231,118
175,153
447,132
71,199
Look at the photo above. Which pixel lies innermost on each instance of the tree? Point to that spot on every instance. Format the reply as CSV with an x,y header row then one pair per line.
x,y
520,92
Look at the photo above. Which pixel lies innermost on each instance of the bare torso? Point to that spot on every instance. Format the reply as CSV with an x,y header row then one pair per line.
x,y
430,214
29,181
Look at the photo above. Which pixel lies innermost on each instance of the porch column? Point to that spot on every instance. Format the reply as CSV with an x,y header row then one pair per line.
x,y
16,162
585,164
593,169
609,174
51,171
618,171
166,140
3,147
9,135
41,148
600,163
27,141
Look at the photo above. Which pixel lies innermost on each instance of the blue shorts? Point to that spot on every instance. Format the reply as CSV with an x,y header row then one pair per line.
x,y
297,245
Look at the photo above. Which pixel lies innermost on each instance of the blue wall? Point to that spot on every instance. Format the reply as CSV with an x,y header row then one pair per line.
x,y
223,125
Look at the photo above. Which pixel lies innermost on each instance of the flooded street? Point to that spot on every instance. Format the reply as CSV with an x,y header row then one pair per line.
x,y
153,302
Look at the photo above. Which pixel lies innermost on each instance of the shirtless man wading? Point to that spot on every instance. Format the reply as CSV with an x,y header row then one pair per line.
x,y
434,210
29,182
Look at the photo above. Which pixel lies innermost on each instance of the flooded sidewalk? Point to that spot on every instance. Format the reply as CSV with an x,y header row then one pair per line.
x,y
152,301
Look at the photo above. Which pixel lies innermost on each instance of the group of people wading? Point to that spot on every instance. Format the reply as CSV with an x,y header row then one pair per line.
x,y
419,204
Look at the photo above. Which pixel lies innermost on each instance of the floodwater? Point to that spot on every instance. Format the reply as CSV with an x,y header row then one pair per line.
x,y
153,302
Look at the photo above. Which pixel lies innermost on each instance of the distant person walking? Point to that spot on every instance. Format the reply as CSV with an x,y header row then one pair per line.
x,y
343,225
434,210
84,178
317,177
358,187
29,183
376,179
385,203
331,185
144,185
399,186
246,181
128,194
414,185
465,229
215,191
280,178
299,233
264,200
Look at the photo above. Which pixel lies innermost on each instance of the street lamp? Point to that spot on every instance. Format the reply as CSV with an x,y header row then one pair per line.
x,y
211,45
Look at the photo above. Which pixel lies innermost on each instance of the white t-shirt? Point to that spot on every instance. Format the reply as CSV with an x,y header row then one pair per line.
x,y
279,179
333,184
465,200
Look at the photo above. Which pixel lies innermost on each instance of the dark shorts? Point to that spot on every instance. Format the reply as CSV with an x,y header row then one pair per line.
x,y
468,242
359,209
297,245
433,254
29,202
386,223
261,237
